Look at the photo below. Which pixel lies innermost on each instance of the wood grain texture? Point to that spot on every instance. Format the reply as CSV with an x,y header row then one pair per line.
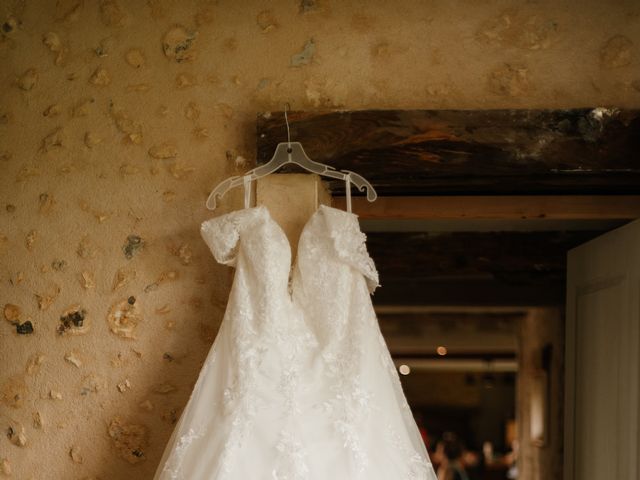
x,y
467,268
419,152
507,207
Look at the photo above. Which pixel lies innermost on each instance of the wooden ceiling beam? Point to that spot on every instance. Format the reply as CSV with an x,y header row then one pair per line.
x,y
509,207
490,293
473,268
582,151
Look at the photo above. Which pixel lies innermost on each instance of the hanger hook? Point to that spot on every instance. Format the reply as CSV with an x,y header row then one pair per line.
x,y
286,119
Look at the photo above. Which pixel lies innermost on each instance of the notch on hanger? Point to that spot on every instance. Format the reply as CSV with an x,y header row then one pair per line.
x,y
292,152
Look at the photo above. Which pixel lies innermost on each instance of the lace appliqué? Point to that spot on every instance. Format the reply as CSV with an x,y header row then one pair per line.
x,y
242,420
350,245
418,467
293,464
388,365
352,404
222,234
239,398
173,465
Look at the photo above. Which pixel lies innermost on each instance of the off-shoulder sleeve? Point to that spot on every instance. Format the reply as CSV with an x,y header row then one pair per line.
x,y
350,245
222,235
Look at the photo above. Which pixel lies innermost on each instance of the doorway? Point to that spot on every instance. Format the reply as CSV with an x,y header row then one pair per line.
x,y
477,209
473,312
459,370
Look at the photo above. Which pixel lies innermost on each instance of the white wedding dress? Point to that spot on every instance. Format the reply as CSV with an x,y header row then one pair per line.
x,y
299,383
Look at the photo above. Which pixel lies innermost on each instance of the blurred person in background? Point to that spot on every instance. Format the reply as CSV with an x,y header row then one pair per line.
x,y
451,466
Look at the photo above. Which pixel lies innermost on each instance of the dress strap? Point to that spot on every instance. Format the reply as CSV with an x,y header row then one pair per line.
x,y
246,180
347,180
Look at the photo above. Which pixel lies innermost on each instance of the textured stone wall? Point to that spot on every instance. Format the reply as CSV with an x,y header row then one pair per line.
x,y
118,117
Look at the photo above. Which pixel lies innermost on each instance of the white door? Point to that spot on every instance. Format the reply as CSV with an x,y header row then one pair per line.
x,y
602,342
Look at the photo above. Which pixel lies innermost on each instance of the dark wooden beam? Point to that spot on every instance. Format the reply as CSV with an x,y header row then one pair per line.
x,y
475,355
458,152
515,257
497,207
473,268
467,292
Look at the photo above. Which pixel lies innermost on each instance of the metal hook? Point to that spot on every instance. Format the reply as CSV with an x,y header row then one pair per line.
x,y
286,119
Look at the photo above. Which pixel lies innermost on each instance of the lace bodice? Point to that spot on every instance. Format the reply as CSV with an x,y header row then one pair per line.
x,y
299,383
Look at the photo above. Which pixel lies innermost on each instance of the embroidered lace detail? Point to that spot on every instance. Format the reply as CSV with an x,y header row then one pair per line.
x,y
292,459
239,398
350,246
417,466
221,234
298,343
352,442
351,404
172,467
242,420
389,366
